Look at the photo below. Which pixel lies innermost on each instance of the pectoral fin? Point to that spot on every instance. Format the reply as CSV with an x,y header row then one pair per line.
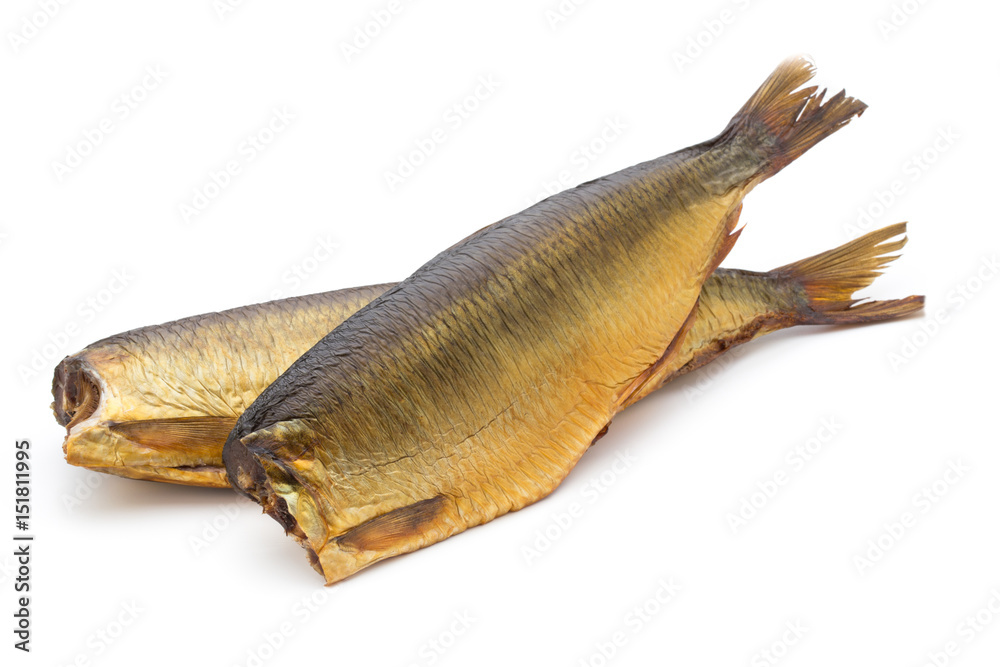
x,y
651,378
396,532
392,528
199,439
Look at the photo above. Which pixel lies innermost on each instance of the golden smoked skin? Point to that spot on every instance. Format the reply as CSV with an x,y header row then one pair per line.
x,y
473,387
239,352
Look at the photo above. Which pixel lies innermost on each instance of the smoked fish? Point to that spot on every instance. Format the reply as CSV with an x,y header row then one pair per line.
x,y
473,387
157,403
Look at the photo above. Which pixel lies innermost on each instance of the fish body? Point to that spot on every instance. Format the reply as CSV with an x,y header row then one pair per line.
x,y
473,387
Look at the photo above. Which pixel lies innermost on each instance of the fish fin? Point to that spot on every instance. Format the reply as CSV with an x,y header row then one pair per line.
x,y
199,438
785,121
397,526
830,279
728,241
652,376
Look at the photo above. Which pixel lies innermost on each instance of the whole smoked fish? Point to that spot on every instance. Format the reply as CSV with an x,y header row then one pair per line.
x,y
157,403
473,387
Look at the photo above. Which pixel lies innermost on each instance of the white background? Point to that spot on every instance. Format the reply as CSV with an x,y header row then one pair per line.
x,y
699,447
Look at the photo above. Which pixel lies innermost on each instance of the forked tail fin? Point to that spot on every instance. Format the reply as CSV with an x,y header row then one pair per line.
x,y
783,121
831,278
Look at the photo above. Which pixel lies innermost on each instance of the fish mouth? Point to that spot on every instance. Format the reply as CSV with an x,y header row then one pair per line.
x,y
76,392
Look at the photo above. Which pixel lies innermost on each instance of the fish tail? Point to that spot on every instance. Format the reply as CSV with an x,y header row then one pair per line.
x,y
782,121
830,279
